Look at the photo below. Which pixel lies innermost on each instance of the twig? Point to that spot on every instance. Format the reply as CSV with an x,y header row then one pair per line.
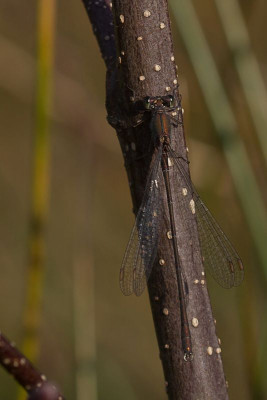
x,y
146,67
25,373
100,15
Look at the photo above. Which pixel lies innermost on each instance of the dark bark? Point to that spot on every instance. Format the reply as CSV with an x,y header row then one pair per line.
x,y
145,67
25,373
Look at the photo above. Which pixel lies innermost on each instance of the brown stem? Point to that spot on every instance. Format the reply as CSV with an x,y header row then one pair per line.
x,y
25,373
100,15
146,67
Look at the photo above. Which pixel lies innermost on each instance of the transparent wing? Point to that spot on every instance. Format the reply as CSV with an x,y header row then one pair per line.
x,y
219,256
141,250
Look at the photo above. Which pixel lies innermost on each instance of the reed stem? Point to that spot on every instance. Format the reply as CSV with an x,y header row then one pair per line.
x,y
40,183
225,124
246,65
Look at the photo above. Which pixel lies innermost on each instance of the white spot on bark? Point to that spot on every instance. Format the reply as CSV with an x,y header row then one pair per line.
x,y
169,235
209,350
170,162
192,206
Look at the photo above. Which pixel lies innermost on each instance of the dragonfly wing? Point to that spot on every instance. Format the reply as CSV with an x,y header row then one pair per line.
x,y
142,246
219,256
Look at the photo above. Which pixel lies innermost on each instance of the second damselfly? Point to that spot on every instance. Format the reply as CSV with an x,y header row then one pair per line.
x,y
169,178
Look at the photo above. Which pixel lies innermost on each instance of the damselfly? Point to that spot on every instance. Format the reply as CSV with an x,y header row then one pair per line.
x,y
218,254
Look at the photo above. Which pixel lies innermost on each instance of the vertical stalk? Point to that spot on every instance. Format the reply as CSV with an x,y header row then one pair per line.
x,y
83,284
225,123
246,64
84,329
40,183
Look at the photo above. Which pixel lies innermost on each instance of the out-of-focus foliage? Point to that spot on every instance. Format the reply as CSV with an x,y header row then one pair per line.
x,y
112,341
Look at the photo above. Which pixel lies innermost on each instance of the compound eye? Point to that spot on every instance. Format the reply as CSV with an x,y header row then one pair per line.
x,y
147,103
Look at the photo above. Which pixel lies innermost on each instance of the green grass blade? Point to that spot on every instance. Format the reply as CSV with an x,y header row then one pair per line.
x,y
224,122
40,183
247,65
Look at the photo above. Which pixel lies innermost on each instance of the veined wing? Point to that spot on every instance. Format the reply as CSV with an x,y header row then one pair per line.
x,y
219,256
142,247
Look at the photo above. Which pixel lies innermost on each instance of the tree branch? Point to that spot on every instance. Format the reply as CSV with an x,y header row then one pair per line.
x,y
25,373
146,67
100,15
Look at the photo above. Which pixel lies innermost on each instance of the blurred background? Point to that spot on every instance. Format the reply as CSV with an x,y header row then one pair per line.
x,y
61,163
